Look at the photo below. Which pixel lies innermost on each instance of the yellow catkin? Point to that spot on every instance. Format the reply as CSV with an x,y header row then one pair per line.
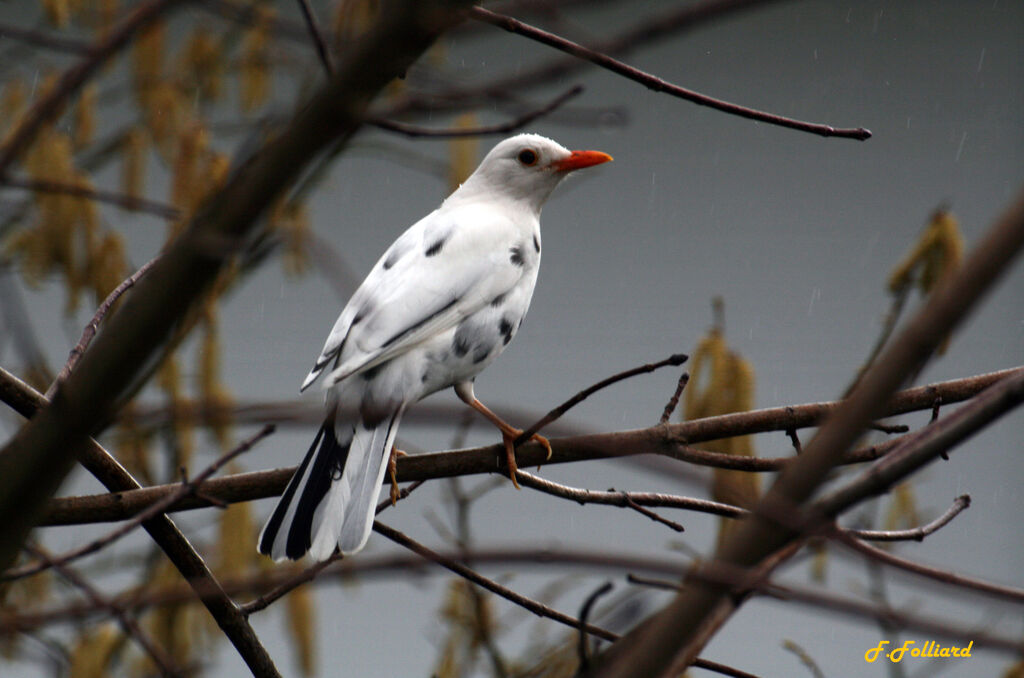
x,y
57,12
168,378
85,116
175,627
165,116
235,537
201,64
936,255
94,650
106,15
295,228
721,382
463,152
902,513
133,445
214,395
133,162
353,17
12,106
302,626
187,187
108,266
255,65
148,62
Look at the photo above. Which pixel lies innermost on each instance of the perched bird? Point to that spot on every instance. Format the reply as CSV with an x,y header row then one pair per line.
x,y
441,304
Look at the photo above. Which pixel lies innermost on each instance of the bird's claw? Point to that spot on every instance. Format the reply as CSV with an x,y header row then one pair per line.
x,y
509,439
393,472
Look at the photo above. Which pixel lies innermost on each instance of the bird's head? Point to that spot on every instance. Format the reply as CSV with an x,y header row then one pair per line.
x,y
525,169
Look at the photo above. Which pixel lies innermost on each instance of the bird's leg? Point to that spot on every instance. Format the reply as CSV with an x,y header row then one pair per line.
x,y
508,433
393,470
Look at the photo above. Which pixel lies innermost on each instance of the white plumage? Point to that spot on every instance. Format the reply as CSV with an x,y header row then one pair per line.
x,y
437,308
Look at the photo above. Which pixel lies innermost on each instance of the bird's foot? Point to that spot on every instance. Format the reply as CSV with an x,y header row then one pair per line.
x,y
393,471
509,437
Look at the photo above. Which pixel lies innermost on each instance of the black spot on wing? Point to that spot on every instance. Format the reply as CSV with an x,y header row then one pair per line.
x,y
461,342
394,254
371,374
436,247
536,243
499,300
481,353
505,328
516,255
422,321
360,314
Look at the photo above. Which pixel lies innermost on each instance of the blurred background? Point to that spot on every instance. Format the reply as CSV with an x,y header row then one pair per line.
x,y
796,233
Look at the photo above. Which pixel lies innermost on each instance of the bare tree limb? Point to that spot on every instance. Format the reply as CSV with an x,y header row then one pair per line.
x,y
655,83
94,325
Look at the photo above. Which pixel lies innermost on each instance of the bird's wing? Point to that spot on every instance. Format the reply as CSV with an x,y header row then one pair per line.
x,y
444,268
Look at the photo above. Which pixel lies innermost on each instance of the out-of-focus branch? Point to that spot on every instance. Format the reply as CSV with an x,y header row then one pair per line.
x,y
499,128
54,41
697,612
94,325
655,83
127,202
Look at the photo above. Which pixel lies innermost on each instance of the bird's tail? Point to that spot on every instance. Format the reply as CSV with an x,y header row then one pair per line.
x,y
330,500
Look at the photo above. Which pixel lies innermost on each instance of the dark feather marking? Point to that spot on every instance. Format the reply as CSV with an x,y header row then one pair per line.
x,y
536,243
516,255
418,323
460,346
505,327
481,353
371,374
499,300
436,247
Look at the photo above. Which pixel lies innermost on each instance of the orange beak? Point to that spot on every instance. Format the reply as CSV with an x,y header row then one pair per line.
x,y
580,159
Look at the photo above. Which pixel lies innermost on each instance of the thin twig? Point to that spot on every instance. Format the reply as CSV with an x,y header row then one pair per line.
x,y
122,200
317,36
471,575
917,533
482,130
674,360
673,402
185,488
943,576
54,41
90,330
655,83
583,647
126,620
805,658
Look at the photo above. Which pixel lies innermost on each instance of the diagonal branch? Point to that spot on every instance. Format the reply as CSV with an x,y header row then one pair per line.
x,y
655,83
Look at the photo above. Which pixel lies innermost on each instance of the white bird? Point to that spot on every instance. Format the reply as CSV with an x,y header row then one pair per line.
x,y
435,310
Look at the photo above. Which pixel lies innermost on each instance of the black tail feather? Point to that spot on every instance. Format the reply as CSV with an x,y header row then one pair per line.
x,y
328,457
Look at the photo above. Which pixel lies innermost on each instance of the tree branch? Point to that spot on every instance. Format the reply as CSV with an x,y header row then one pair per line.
x,y
655,83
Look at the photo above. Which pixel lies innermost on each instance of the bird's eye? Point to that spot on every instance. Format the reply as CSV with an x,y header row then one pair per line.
x,y
528,157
